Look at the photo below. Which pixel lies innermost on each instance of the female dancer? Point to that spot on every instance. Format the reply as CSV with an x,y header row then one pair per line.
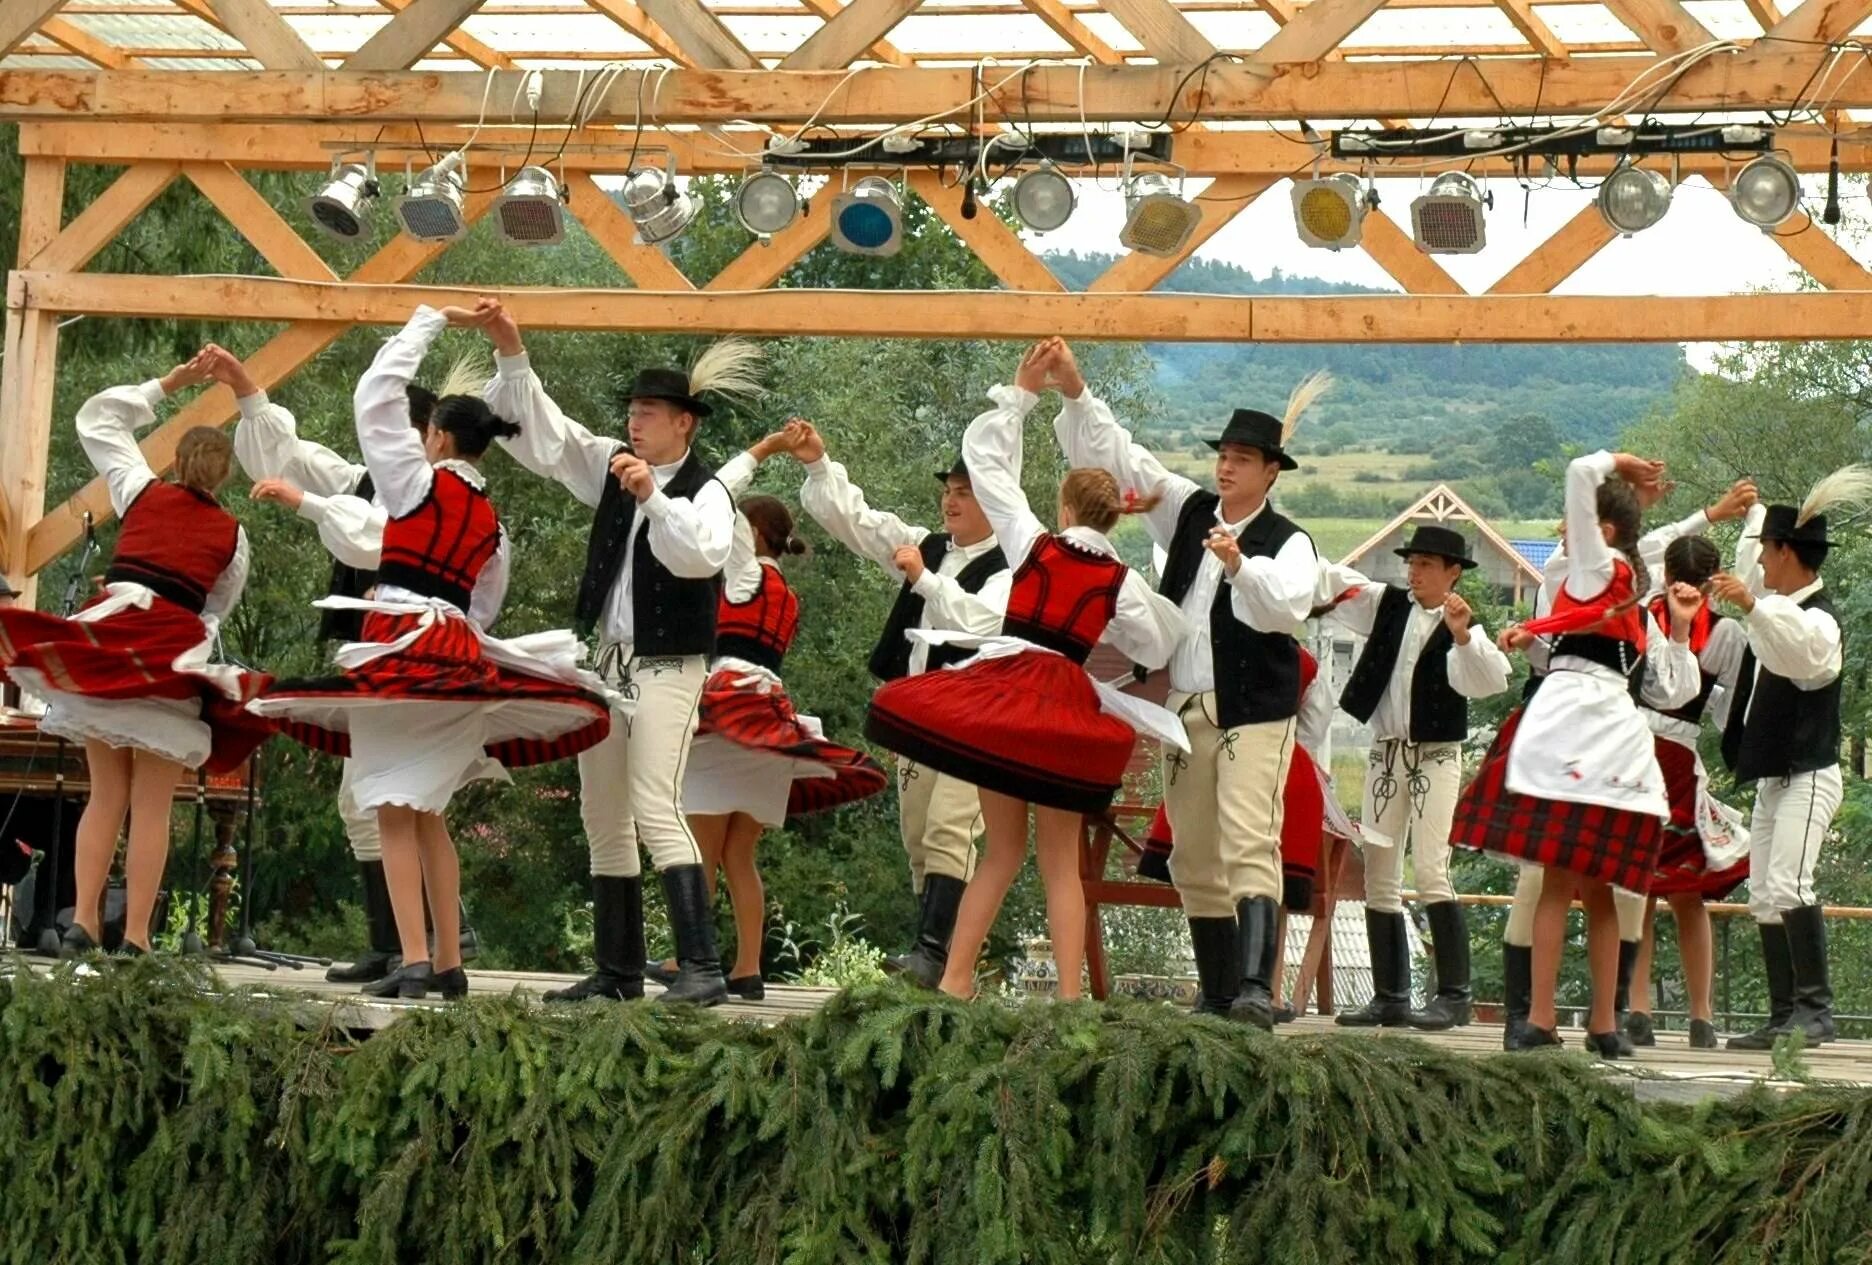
x,y
1572,784
1022,720
129,675
755,761
427,702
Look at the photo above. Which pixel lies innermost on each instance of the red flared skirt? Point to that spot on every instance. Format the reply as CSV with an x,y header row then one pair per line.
x,y
1682,864
1027,725
131,655
531,720
1609,845
764,721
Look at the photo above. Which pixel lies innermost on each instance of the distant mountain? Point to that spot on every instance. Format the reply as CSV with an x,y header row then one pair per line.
x,y
1405,398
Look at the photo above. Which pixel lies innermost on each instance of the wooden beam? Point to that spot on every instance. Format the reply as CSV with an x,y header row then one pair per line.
x,y
42,201
258,222
881,49
1813,22
1824,259
1224,199
845,38
1665,25
278,359
26,380
266,35
1162,30
699,34
94,227
1763,11
764,263
1315,31
467,45
75,39
20,18
993,242
1536,32
888,95
992,313
407,38
1397,254
637,23
646,266
1068,27
1560,256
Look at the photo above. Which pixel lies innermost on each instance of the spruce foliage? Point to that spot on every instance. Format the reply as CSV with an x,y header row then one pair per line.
x,y
147,1121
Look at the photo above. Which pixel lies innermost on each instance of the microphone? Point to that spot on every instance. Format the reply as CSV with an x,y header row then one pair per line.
x,y
1831,215
968,198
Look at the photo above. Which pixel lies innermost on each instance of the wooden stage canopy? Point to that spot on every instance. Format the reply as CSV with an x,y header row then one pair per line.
x,y
201,91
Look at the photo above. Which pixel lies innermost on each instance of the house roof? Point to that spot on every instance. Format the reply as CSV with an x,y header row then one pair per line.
x,y
1441,504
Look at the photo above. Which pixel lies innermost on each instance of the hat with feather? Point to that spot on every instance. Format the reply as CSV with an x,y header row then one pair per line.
x,y
1270,435
1806,523
729,367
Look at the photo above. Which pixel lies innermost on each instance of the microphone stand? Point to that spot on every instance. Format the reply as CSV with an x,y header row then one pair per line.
x,y
245,950
49,939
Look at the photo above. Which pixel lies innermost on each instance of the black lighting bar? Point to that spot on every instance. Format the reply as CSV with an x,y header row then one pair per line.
x,y
1559,142
941,149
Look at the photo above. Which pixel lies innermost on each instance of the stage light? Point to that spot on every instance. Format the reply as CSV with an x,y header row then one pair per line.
x,y
1043,199
1766,192
660,210
1634,198
766,202
431,207
1329,212
531,210
1448,220
1158,220
867,219
341,206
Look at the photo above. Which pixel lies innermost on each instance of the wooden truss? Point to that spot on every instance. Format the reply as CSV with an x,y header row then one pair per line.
x,y
284,103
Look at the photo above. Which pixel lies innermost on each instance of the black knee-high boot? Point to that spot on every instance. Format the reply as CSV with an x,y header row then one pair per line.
x,y
699,978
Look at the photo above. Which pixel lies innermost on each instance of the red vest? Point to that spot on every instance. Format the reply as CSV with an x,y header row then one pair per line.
x,y
439,548
1063,597
176,542
1700,624
760,629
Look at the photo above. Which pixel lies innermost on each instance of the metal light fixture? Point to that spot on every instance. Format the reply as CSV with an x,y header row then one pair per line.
x,y
1766,192
867,219
1158,219
1043,198
341,207
660,210
531,210
430,209
1329,212
1448,220
1632,199
766,203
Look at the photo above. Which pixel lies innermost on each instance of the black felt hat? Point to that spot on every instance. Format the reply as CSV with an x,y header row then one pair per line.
x,y
1440,542
1782,523
956,471
667,384
1252,428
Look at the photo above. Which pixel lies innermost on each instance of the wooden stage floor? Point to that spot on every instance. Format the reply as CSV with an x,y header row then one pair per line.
x,y
1670,1071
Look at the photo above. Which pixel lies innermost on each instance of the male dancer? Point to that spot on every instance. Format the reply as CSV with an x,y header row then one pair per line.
x,y
304,476
1783,734
662,532
1244,576
956,579
1425,657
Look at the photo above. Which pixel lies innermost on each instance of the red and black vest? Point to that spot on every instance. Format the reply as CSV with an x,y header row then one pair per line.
x,y
176,542
1063,597
439,548
1700,629
1614,639
759,630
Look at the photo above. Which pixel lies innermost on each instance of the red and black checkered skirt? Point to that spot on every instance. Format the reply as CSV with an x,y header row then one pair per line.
x,y
531,720
1682,865
1026,725
132,654
1303,833
763,720
1608,845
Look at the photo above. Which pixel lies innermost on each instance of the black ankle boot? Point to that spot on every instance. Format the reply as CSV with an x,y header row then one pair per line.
x,y
1215,945
1813,989
699,976
1256,932
1450,1008
617,942
1517,989
1776,958
1390,956
929,957
380,923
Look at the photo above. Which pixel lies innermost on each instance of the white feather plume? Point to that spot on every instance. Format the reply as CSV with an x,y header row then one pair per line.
x,y
1846,486
467,376
1304,397
730,367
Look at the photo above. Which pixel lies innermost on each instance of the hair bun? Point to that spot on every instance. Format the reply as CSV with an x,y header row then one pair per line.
x,y
796,546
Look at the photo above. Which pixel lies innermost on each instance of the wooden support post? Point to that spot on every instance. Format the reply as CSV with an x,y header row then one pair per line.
x,y
26,380
93,228
1560,256
258,222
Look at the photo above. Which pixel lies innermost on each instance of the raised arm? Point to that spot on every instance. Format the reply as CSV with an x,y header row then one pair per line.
x,y
832,500
991,449
1748,550
266,438
393,451
108,423
549,444
1090,436
1589,559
